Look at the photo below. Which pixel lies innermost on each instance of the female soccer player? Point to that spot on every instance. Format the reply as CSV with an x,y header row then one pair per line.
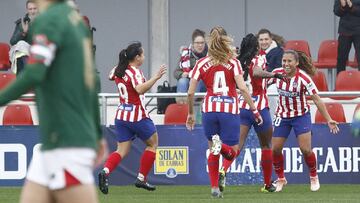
x,y
253,62
221,72
131,116
293,112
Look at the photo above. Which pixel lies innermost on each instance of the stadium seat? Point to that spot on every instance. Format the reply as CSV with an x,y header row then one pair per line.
x,y
298,45
336,112
320,81
176,114
5,79
347,81
17,115
4,56
327,59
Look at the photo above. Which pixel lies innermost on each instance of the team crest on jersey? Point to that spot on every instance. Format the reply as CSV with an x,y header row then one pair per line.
x,y
295,84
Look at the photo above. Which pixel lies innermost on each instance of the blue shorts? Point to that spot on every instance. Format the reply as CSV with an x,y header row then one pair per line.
x,y
226,125
126,130
300,124
247,118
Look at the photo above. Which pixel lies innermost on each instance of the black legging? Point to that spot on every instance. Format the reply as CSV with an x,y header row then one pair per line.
x,y
344,49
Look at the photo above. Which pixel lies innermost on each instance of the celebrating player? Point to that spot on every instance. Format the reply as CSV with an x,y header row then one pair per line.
x,y
293,112
221,72
131,117
61,70
253,62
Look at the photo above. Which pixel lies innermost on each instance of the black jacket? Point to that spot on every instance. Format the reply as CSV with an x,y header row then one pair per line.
x,y
349,17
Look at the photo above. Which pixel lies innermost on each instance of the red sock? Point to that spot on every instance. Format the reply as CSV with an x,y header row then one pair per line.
x,y
278,161
311,163
266,164
227,163
146,162
227,152
213,164
112,161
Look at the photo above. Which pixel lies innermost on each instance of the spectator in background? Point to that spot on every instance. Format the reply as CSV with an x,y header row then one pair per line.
x,y
272,45
189,56
349,30
19,51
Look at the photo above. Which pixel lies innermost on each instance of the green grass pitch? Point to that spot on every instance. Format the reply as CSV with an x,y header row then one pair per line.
x,y
243,193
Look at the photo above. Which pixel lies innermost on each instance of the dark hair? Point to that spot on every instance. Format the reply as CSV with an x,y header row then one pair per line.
x,y
197,33
305,62
280,41
127,55
248,50
29,1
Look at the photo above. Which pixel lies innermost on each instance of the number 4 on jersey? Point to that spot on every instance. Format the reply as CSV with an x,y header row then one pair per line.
x,y
220,84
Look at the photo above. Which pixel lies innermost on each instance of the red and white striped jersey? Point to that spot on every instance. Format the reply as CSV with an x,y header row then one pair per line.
x,y
131,107
256,85
220,83
292,99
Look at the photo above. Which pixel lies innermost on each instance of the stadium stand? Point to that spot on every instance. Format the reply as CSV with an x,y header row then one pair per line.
x,y
327,59
347,81
176,114
298,45
4,56
336,112
320,81
18,114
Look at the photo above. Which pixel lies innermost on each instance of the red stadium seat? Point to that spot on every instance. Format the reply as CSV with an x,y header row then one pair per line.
x,y
347,81
336,112
320,81
17,115
6,79
176,114
4,56
327,58
298,45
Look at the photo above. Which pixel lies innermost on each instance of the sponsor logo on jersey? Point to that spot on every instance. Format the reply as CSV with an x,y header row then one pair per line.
x,y
287,93
172,160
224,99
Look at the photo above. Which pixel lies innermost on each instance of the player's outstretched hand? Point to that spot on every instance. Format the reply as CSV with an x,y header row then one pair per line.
x,y
333,126
162,70
281,77
190,122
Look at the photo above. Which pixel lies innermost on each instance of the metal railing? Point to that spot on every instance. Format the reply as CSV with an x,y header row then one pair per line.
x,y
104,97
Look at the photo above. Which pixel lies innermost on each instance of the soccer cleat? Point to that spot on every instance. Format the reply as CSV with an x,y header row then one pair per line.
x,y
143,184
215,193
103,182
216,145
268,188
222,180
314,183
280,183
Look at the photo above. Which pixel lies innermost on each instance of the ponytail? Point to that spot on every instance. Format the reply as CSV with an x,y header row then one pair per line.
x,y
220,46
127,55
248,50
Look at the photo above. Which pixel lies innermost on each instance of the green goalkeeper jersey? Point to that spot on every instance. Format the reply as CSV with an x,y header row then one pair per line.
x,y
61,70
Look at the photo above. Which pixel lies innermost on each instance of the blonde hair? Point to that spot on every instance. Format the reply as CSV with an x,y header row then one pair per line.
x,y
220,46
